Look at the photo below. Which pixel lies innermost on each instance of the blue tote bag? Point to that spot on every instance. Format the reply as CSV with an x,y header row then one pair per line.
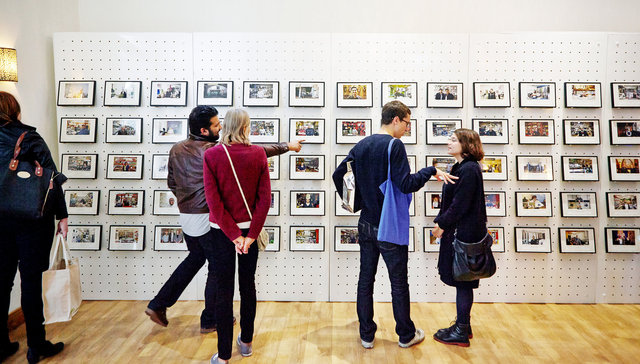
x,y
394,221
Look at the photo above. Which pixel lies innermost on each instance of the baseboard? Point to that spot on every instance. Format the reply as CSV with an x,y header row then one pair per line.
x,y
16,318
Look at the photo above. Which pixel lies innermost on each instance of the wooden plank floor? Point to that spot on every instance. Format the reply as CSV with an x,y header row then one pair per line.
x,y
321,332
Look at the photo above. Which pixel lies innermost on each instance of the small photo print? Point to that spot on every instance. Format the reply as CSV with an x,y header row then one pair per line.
x,y
581,131
576,168
534,94
169,131
257,93
306,238
82,202
533,240
351,131
123,237
533,204
623,204
491,94
495,203
622,239
76,93
625,94
122,93
169,238
625,132
306,167
80,166
497,234
431,243
274,238
84,237
579,204
577,240
624,168
124,166
582,94
274,207
355,94
405,92
124,130
439,131
78,130
160,166
165,203
169,93
346,239
492,131
536,131
432,203
443,163
535,168
126,202
264,130
444,95
309,94
215,93
494,167
309,130
307,203
274,167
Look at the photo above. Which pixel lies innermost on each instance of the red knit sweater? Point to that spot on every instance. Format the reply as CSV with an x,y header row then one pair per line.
x,y
226,207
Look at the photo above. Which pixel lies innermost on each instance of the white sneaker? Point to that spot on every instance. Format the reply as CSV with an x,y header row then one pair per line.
x,y
418,338
367,344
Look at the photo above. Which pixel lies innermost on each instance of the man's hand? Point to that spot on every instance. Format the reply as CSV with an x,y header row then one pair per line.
x,y
63,227
295,146
437,231
446,177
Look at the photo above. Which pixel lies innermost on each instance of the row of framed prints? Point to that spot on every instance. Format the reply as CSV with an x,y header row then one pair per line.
x,y
348,94
351,131
311,238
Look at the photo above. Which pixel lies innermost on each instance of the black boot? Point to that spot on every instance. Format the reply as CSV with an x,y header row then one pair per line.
x,y
8,349
458,334
445,331
44,351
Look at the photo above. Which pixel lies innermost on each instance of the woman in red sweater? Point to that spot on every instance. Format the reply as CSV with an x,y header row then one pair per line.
x,y
234,227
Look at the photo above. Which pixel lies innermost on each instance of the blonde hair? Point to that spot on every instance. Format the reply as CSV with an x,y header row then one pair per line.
x,y
235,127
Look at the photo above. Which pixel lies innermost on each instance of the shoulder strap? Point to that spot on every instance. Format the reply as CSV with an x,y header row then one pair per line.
x,y
237,181
389,157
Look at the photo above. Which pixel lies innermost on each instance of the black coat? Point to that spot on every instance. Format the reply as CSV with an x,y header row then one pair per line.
x,y
463,212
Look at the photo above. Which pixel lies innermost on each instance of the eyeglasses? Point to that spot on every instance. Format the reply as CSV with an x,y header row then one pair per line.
x,y
406,121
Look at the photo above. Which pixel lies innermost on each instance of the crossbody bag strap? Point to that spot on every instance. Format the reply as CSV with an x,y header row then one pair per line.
x,y
237,181
389,157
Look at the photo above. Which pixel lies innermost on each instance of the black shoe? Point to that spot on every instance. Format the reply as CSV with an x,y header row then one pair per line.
x,y
46,350
457,334
445,331
158,316
8,350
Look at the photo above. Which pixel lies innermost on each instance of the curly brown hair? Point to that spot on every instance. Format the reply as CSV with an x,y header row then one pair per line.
x,y
470,143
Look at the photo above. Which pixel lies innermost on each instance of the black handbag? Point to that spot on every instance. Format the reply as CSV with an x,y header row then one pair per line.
x,y
473,261
24,187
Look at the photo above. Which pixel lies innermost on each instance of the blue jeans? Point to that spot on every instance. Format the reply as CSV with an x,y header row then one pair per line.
x,y
200,249
395,258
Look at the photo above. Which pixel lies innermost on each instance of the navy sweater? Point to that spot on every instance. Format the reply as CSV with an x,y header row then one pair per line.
x,y
369,166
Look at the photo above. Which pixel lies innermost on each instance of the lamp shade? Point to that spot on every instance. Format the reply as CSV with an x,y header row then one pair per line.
x,y
8,65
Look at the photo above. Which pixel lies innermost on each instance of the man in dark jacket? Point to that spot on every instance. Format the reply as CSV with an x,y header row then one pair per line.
x,y
185,179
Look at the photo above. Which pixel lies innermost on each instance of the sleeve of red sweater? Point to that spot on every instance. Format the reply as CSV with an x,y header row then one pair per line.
x,y
214,199
263,197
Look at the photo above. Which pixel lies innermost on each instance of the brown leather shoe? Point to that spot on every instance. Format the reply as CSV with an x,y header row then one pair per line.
x,y
158,316
208,330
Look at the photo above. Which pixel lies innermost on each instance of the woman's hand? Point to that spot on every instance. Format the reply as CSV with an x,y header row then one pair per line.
x,y
437,231
63,227
247,243
446,177
239,243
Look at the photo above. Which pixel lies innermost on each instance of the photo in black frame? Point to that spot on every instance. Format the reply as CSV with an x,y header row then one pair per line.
x,y
306,167
169,93
125,166
307,203
79,166
122,93
76,92
306,238
445,94
306,94
78,130
123,130
491,94
354,94
126,237
578,204
581,131
215,93
624,131
625,94
532,239
84,237
577,240
580,168
536,131
623,204
582,94
537,94
405,92
261,93
82,202
624,168
126,202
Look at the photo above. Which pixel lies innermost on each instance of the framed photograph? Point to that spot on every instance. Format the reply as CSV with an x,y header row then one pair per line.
x,y
496,203
123,130
169,238
491,94
340,211
169,93
274,167
261,93
84,237
306,238
582,94
412,205
355,94
274,238
412,163
534,131
431,243
625,94
160,166
310,130
577,240
622,239
533,239
309,94
80,166
624,168
78,130
82,202
306,167
346,239
215,93
625,132
534,167
124,166
444,94
165,203
579,168
264,130
578,204
76,93
534,203
126,202
307,203
537,94
169,131
492,131
126,237
442,162
412,240
439,131
623,204
351,131
122,93
405,92
432,203
497,233
411,134
494,168
581,131
274,208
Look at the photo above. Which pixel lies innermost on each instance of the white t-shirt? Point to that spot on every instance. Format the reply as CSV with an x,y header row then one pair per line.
x,y
195,224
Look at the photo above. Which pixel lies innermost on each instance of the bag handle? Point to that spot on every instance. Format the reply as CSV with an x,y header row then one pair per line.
x,y
237,181
13,165
60,240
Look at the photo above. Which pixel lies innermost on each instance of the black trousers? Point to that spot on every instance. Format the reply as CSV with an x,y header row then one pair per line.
x,y
25,245
224,259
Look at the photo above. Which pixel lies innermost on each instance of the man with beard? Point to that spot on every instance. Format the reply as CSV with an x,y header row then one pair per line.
x,y
185,179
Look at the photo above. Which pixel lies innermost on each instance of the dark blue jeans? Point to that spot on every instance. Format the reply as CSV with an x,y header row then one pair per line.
x,y
200,249
395,258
